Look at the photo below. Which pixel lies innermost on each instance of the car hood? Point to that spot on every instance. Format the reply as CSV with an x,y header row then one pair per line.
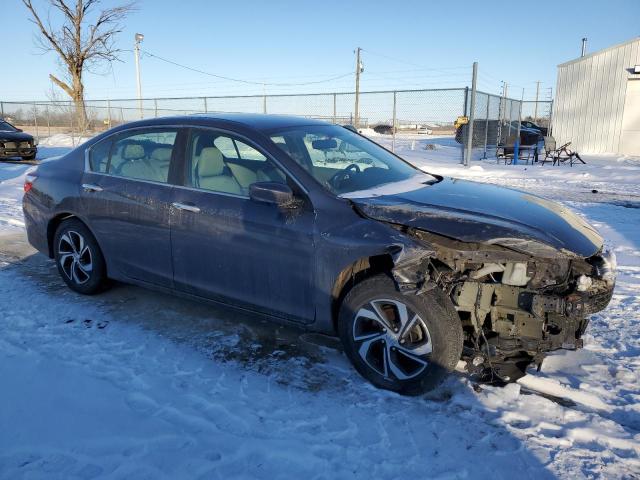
x,y
15,136
478,212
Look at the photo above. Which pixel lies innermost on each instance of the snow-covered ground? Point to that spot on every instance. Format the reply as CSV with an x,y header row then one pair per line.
x,y
134,384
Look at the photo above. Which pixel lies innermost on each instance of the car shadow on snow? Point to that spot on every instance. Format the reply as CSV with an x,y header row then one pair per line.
x,y
448,433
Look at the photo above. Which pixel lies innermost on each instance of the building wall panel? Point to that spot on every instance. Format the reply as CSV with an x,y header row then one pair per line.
x,y
590,98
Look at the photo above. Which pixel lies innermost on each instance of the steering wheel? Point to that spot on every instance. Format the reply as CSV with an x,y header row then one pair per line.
x,y
340,177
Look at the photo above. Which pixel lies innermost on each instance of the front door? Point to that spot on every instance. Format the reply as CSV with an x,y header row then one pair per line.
x,y
229,248
127,197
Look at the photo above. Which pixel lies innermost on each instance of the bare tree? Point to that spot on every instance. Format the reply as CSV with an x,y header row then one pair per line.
x,y
82,41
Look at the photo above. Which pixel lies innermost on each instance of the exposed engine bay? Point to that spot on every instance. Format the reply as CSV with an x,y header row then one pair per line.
x,y
517,299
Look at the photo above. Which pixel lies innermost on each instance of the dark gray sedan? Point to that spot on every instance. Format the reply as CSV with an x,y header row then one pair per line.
x,y
313,224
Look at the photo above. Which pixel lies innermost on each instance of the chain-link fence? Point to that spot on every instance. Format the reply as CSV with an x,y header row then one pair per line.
x,y
398,113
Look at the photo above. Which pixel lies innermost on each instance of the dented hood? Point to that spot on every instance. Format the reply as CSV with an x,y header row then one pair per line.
x,y
478,212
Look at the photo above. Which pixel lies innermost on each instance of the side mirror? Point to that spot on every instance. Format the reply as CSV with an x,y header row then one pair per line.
x,y
271,192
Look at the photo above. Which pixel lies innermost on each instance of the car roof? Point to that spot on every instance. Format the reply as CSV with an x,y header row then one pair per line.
x,y
252,120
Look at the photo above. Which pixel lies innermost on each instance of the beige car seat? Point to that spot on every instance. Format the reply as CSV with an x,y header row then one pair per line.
x,y
211,175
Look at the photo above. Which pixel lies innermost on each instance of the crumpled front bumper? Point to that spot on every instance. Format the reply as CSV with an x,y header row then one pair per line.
x,y
568,315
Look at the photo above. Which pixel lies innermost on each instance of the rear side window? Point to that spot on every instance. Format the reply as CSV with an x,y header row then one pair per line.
x,y
143,155
99,156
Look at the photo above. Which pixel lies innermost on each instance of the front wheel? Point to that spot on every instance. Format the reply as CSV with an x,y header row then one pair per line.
x,y
405,343
79,259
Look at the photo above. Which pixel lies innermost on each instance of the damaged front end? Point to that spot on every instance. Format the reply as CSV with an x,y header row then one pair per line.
x,y
517,299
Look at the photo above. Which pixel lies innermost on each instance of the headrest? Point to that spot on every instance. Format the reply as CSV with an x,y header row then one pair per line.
x,y
162,154
211,162
133,151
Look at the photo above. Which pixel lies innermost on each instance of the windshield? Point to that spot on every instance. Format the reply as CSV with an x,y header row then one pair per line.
x,y
5,127
343,161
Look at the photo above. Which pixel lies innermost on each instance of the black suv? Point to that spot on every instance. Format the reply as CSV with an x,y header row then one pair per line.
x,y
15,143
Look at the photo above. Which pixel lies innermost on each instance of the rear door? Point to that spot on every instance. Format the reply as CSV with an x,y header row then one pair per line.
x,y
127,195
227,247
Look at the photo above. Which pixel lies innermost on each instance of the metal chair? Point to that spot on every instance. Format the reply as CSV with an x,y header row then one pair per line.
x,y
558,155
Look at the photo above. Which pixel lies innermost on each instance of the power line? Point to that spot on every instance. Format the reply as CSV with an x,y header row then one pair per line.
x,y
239,80
412,63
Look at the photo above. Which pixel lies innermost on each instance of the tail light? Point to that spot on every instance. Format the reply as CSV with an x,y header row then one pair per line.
x,y
28,182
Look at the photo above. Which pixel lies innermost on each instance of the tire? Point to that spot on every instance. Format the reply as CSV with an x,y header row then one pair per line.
x,y
29,157
79,259
425,348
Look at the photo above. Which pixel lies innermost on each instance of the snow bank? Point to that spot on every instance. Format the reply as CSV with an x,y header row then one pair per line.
x,y
62,140
134,384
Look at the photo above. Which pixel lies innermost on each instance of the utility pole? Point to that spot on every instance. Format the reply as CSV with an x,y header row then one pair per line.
x,y
359,70
136,50
535,109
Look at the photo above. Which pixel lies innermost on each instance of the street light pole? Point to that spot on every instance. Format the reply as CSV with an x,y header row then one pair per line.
x,y
136,50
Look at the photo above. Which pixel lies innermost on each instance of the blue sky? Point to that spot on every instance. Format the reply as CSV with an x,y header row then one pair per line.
x,y
408,44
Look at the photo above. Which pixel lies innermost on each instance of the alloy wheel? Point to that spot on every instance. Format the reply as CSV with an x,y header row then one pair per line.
x,y
392,339
75,257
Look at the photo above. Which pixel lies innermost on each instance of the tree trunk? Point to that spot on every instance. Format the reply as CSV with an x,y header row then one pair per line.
x,y
77,96
78,100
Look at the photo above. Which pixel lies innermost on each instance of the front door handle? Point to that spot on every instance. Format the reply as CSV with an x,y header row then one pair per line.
x,y
90,187
184,206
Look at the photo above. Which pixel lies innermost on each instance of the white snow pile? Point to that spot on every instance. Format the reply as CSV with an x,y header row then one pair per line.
x,y
134,384
62,140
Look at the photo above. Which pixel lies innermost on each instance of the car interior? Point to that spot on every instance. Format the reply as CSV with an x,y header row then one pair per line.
x,y
142,157
224,164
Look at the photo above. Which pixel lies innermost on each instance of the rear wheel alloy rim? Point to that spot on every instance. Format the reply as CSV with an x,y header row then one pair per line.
x,y
75,257
392,339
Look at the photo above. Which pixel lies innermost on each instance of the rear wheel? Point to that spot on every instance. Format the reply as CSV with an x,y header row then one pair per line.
x,y
79,259
405,343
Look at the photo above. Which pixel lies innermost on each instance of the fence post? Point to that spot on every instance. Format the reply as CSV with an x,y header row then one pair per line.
x,y
334,109
472,116
464,113
206,108
108,113
73,136
516,145
486,129
155,107
48,121
394,121
264,104
2,109
35,118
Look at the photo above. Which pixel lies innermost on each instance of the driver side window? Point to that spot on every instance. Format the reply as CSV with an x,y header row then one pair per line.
x,y
221,163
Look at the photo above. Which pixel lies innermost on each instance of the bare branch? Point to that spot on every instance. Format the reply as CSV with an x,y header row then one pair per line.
x,y
46,33
68,90
79,41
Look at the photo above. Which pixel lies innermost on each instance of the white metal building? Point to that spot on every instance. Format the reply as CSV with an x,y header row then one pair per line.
x,y
597,104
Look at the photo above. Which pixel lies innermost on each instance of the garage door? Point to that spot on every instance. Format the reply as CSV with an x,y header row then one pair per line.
x,y
631,120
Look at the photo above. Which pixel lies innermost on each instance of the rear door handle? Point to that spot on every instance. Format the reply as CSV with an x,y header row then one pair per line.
x,y
184,206
90,187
